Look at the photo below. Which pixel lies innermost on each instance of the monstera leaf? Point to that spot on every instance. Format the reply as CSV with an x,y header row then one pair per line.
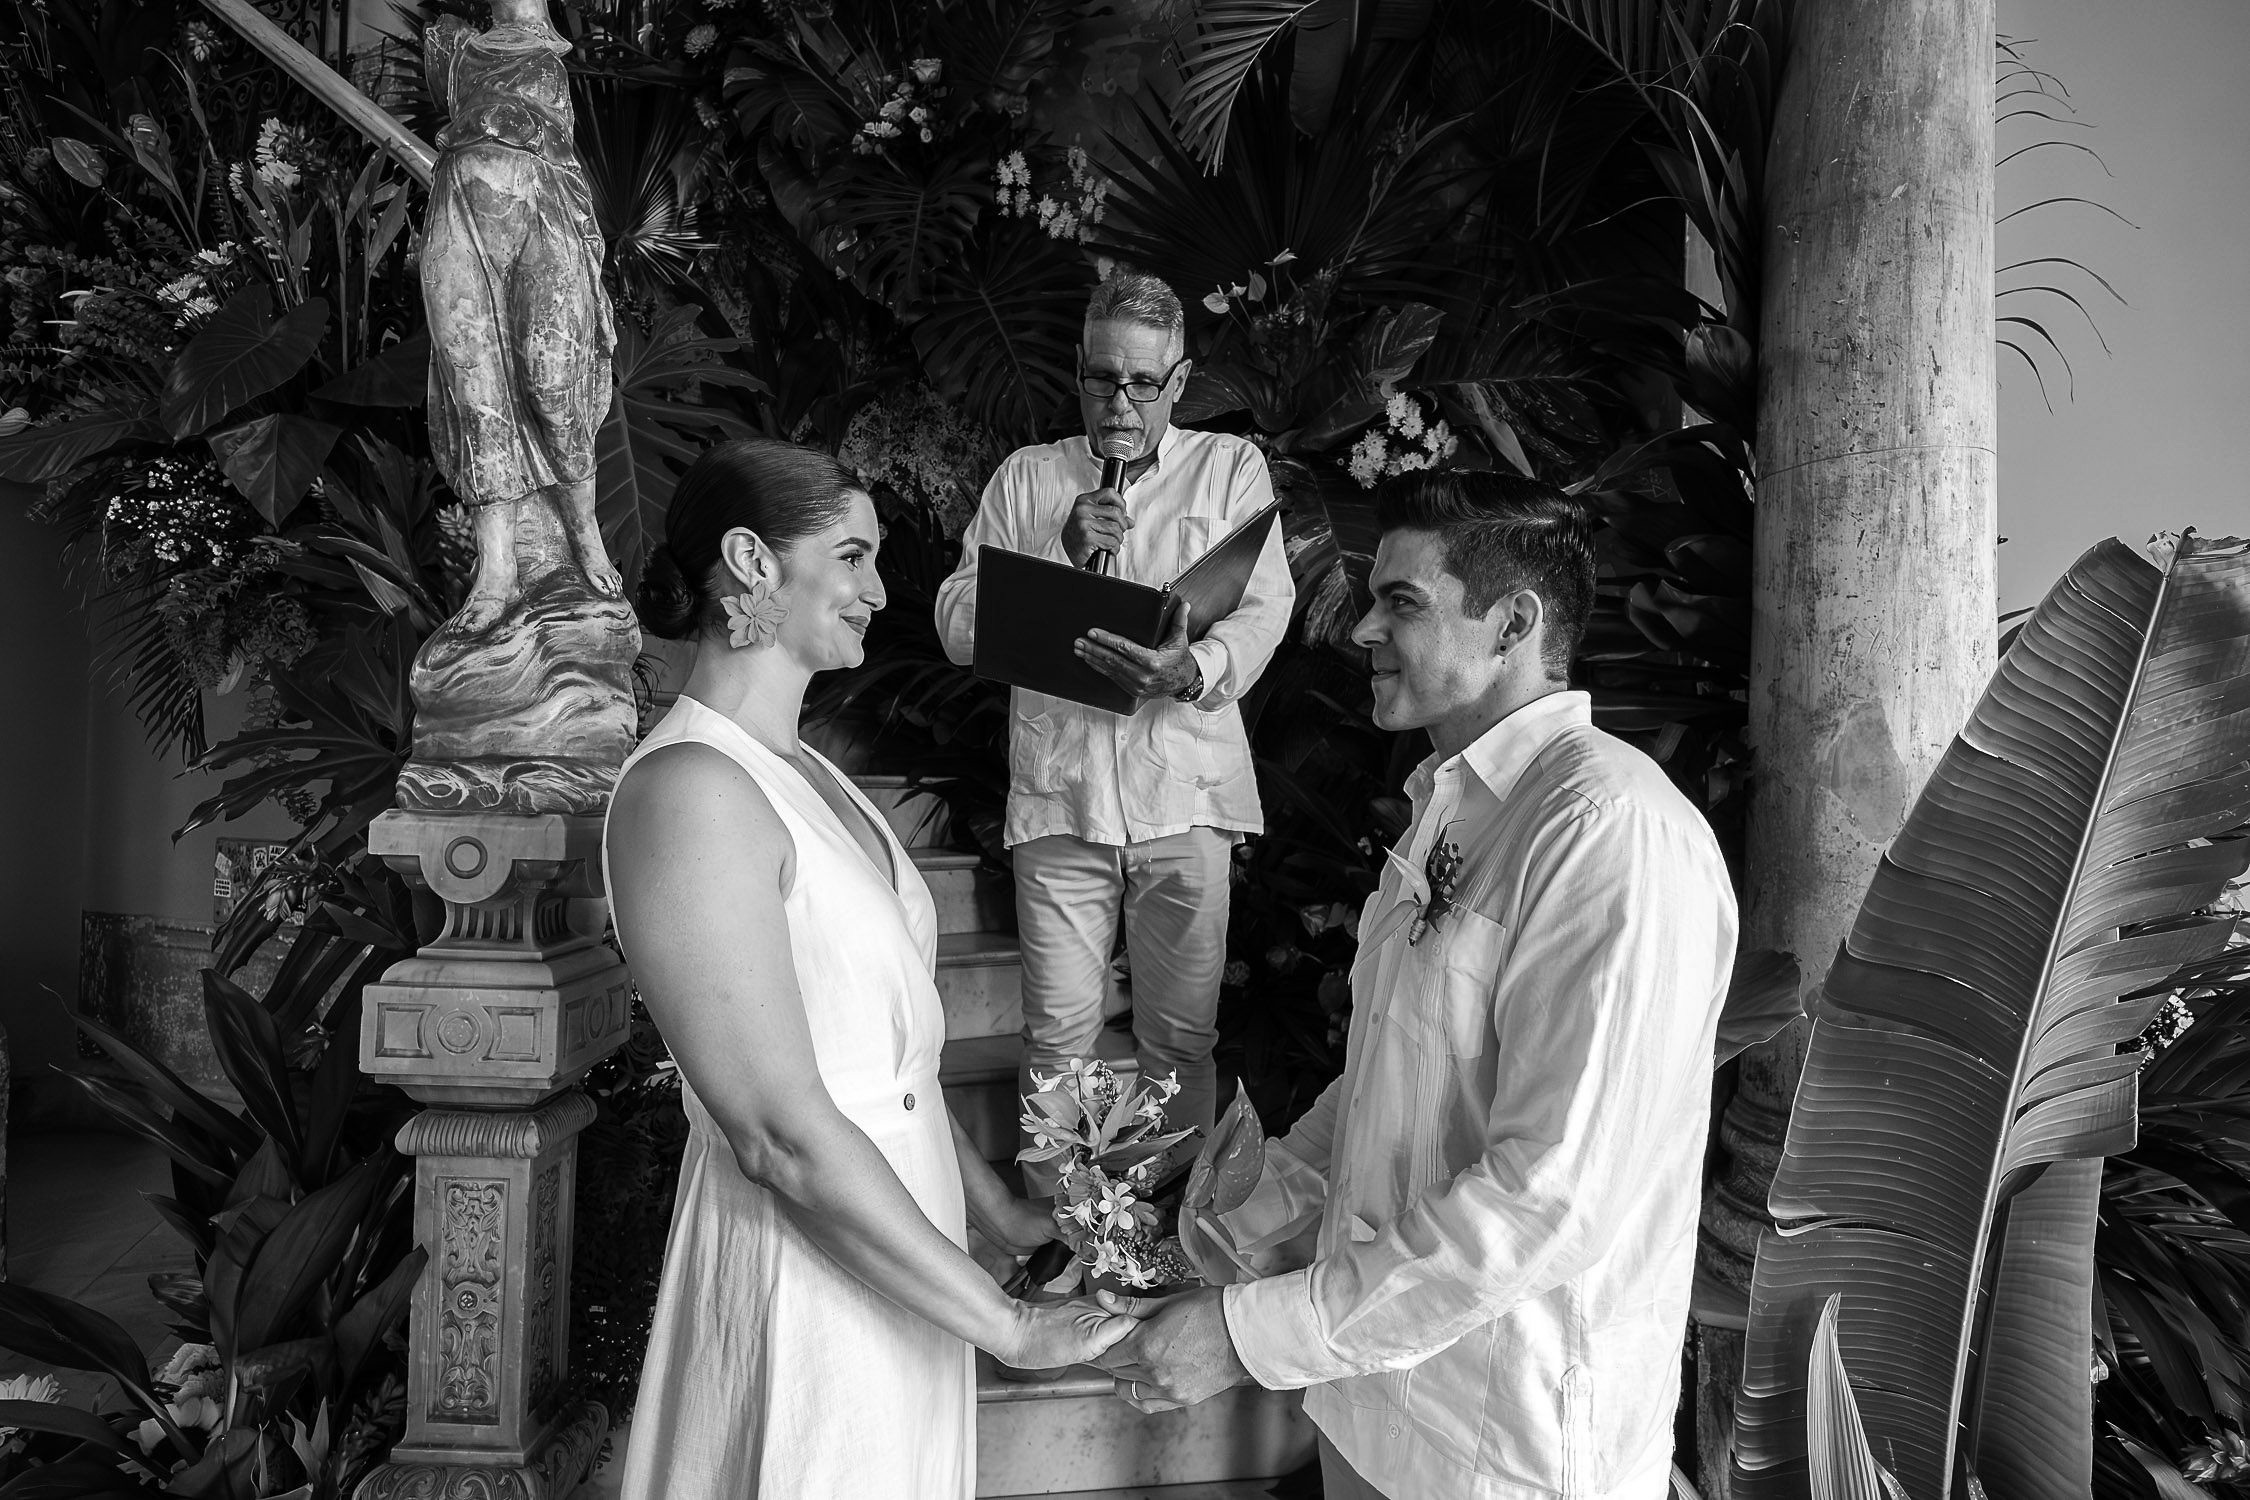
x,y
1965,1077
649,437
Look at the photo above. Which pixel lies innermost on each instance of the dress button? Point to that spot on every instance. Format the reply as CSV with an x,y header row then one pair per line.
x,y
909,1101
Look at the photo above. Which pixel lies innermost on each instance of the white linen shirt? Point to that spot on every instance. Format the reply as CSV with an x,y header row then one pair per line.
x,y
1169,766
1507,1176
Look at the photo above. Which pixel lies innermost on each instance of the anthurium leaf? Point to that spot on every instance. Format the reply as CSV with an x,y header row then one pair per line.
x,y
399,376
38,454
1227,1169
79,161
1965,1058
273,460
242,352
303,1251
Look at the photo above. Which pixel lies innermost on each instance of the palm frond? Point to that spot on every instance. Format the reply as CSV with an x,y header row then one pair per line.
x,y
1231,37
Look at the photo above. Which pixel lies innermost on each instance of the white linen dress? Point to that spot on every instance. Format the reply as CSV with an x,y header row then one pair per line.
x,y
772,1372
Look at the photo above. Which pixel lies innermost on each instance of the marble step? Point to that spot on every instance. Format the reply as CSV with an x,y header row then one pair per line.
x,y
980,979
1069,1434
970,897
917,818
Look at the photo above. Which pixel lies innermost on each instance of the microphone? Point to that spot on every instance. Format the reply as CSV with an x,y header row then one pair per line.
x,y
1116,448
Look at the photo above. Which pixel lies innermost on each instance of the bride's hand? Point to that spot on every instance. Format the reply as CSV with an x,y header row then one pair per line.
x,y
1024,1226
1065,1333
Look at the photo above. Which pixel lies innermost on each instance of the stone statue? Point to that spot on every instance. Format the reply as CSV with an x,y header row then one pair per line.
x,y
523,699
512,277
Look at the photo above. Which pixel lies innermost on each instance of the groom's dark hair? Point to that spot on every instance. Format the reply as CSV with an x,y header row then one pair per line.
x,y
1500,533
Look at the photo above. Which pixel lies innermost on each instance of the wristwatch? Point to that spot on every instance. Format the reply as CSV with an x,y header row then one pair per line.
x,y
1193,690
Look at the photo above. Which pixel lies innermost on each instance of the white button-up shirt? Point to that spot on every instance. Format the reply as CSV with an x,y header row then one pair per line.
x,y
1506,1178
1169,766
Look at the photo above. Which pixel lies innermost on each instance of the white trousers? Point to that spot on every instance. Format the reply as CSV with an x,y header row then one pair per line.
x,y
1172,895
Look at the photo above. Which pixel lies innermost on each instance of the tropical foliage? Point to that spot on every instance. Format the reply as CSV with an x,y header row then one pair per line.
x,y
298,1211
1972,1059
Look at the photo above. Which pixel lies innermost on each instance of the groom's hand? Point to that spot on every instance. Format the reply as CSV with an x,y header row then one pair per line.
x,y
1181,1353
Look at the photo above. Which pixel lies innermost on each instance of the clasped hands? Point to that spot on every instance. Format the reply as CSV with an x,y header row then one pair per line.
x,y
1179,1354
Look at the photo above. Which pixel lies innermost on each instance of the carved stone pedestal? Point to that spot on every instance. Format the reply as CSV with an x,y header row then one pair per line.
x,y
494,1022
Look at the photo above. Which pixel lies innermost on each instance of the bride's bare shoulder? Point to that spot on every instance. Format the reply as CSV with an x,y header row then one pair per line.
x,y
685,793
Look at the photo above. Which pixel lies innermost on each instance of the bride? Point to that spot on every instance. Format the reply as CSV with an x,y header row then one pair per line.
x,y
812,1335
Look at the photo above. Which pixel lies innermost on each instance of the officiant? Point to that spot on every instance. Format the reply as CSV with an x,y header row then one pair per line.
x,y
1131,818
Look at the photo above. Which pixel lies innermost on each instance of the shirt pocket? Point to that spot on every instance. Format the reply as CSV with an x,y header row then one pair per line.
x,y
1446,1001
1035,760
1194,538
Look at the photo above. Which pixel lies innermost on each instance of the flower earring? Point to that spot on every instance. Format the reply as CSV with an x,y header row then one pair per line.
x,y
754,617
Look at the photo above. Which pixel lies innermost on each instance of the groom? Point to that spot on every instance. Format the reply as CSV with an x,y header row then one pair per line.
x,y
1498,1198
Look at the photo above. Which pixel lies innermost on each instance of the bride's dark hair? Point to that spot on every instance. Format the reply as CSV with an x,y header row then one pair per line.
x,y
782,492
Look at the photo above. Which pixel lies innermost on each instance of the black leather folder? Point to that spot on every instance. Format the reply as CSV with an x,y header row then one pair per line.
x,y
1030,610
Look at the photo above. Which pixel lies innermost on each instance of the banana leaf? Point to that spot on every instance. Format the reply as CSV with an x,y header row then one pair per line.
x,y
1965,1072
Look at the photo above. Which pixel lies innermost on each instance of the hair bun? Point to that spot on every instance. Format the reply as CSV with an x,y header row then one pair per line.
x,y
666,601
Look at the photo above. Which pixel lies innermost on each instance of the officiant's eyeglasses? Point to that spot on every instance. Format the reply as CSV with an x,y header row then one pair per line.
x,y
1139,392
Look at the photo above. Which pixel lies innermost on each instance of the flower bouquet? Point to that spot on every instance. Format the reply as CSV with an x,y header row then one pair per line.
x,y
1106,1134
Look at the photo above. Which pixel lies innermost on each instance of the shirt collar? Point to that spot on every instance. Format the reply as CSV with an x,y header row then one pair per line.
x,y
1164,446
1499,755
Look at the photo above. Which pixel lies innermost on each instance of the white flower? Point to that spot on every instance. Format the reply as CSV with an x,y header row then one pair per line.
x,y
1012,171
31,1388
1237,972
1405,416
202,40
1368,457
223,255
928,70
1216,301
701,38
193,1370
177,292
277,146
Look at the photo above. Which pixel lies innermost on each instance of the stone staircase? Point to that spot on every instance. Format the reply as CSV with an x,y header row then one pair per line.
x,y
1066,1436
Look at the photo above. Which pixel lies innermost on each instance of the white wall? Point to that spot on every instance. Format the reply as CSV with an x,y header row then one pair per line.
x,y
2154,438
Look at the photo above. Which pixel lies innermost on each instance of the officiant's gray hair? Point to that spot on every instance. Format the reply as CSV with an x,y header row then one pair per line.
x,y
1129,296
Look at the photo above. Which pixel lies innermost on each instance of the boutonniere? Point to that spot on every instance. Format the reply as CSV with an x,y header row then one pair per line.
x,y
1440,870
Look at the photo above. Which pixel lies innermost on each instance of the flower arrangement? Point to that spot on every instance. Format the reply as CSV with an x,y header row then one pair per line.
x,y
1407,440
1107,1135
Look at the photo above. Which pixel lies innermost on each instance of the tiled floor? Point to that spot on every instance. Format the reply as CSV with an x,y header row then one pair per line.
x,y
79,1228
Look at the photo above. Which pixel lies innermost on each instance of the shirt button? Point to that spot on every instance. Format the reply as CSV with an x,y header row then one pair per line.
x,y
909,1101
